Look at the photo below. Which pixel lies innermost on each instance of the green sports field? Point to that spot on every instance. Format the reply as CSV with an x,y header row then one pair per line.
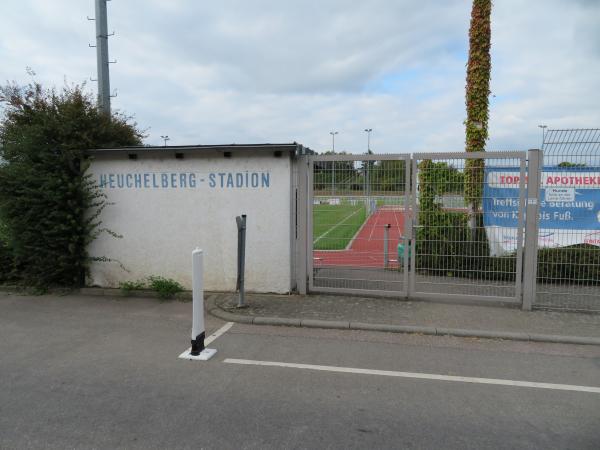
x,y
335,225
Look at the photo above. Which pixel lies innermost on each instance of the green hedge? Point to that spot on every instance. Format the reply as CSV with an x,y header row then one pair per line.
x,y
6,263
576,263
444,248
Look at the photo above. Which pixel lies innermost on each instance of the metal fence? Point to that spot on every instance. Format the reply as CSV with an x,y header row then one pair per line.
x,y
493,226
568,267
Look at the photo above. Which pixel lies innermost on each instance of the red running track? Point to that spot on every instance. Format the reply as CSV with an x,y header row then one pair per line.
x,y
366,249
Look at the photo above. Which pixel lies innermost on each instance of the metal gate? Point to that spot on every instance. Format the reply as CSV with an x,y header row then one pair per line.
x,y
357,229
460,250
394,226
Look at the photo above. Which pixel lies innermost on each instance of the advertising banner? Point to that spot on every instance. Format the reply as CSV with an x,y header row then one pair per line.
x,y
569,207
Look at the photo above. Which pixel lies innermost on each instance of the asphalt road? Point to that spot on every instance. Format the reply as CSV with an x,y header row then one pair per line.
x,y
84,372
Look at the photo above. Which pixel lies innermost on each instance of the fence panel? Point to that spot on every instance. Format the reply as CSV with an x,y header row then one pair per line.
x,y
469,221
357,224
568,266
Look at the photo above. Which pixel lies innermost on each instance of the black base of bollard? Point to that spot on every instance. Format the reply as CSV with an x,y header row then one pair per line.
x,y
198,344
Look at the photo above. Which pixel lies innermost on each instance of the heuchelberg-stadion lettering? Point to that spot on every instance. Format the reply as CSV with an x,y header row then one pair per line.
x,y
185,180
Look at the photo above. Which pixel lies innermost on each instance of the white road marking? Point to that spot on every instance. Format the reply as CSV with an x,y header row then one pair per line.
x,y
217,334
422,376
220,332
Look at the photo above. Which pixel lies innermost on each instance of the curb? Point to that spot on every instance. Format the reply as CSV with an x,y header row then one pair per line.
x,y
431,331
138,293
217,311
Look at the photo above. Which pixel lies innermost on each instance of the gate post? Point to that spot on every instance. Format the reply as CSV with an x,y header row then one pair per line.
x,y
386,238
534,174
302,220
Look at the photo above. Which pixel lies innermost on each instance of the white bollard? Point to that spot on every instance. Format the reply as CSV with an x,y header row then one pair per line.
x,y
197,350
198,331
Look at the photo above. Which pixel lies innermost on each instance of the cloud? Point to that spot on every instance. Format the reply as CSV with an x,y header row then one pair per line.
x,y
271,71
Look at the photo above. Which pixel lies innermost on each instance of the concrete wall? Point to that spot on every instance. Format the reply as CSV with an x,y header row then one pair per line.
x,y
165,207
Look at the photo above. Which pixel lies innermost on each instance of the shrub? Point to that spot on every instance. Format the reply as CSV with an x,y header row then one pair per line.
x,y
165,287
49,204
6,263
576,263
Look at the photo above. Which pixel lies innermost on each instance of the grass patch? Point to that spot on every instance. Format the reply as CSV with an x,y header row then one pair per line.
x,y
128,286
335,225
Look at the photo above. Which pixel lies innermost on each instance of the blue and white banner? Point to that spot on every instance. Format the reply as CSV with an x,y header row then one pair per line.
x,y
569,207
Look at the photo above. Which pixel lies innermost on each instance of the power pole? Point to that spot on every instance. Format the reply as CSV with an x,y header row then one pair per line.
x,y
102,57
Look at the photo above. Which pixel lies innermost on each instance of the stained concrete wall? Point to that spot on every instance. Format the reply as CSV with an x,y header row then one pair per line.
x,y
165,207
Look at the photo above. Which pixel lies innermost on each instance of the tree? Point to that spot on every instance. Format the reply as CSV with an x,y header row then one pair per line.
x,y
49,204
477,101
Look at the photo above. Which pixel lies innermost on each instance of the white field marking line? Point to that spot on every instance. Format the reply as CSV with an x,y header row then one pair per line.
x,y
335,226
351,242
421,376
217,334
375,225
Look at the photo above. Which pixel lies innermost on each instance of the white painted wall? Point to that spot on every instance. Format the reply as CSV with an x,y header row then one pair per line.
x,y
161,226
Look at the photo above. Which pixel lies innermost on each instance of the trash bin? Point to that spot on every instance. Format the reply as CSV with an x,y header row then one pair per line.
x,y
401,252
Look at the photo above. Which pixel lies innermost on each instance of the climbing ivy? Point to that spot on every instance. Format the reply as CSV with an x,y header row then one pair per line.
x,y
477,98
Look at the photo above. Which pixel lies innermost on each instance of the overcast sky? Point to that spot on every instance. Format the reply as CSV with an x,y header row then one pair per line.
x,y
254,71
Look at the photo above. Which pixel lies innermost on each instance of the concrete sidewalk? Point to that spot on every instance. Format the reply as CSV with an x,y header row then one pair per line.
x,y
345,312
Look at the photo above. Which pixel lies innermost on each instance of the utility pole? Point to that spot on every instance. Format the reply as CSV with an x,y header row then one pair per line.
x,y
102,57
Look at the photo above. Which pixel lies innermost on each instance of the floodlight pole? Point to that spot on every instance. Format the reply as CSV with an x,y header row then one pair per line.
x,y
367,181
543,127
368,130
333,133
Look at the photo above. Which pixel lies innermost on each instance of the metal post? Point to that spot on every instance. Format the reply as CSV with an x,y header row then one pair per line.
x,y
310,172
102,57
408,222
366,186
302,216
414,223
534,170
333,178
241,225
333,133
386,236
